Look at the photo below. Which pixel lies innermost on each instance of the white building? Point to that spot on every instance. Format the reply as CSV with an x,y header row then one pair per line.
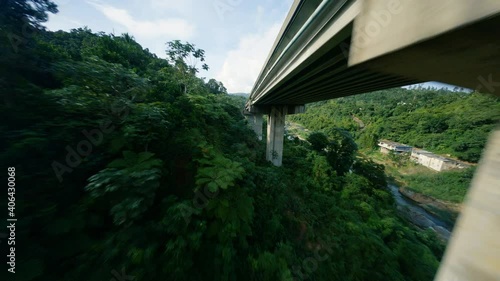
x,y
435,162
386,146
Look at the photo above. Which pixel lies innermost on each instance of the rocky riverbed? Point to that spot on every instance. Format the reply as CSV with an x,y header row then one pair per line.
x,y
425,212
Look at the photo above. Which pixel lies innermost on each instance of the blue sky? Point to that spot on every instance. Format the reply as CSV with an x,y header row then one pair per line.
x,y
236,34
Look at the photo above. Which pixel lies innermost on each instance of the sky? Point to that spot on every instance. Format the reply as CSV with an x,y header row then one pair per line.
x,y
440,85
236,35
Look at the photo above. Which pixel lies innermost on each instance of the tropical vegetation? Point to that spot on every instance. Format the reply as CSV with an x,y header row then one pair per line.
x,y
131,167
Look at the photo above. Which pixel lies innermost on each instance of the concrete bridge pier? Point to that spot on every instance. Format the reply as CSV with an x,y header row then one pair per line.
x,y
276,130
254,116
257,124
275,126
473,252
275,134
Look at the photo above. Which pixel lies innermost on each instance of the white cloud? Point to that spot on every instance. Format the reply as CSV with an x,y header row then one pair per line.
x,y
260,16
179,6
243,64
174,27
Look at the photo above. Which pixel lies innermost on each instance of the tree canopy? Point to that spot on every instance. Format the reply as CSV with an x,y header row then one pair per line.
x,y
442,121
130,166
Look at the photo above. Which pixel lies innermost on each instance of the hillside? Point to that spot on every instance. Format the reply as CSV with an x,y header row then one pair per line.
x,y
440,121
245,95
454,124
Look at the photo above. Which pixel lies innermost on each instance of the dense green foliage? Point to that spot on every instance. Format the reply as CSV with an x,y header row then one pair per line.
x,y
449,186
441,121
129,166
453,185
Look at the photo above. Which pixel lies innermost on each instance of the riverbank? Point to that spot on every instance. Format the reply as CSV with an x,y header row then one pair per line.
x,y
438,193
447,186
443,210
425,188
413,212
446,211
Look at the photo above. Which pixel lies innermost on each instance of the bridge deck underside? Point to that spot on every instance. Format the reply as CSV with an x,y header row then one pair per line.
x,y
330,77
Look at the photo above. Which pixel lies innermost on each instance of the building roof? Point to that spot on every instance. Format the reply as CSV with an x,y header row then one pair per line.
x,y
435,156
393,143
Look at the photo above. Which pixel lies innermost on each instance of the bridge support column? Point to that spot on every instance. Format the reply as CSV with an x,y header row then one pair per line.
x,y
275,134
257,124
276,130
473,252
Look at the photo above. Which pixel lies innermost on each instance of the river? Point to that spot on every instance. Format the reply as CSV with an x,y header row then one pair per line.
x,y
410,209
418,215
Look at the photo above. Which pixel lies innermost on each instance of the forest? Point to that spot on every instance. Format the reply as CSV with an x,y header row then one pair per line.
x,y
131,167
443,121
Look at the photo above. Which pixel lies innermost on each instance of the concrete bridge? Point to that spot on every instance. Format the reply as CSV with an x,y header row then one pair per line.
x,y
333,48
